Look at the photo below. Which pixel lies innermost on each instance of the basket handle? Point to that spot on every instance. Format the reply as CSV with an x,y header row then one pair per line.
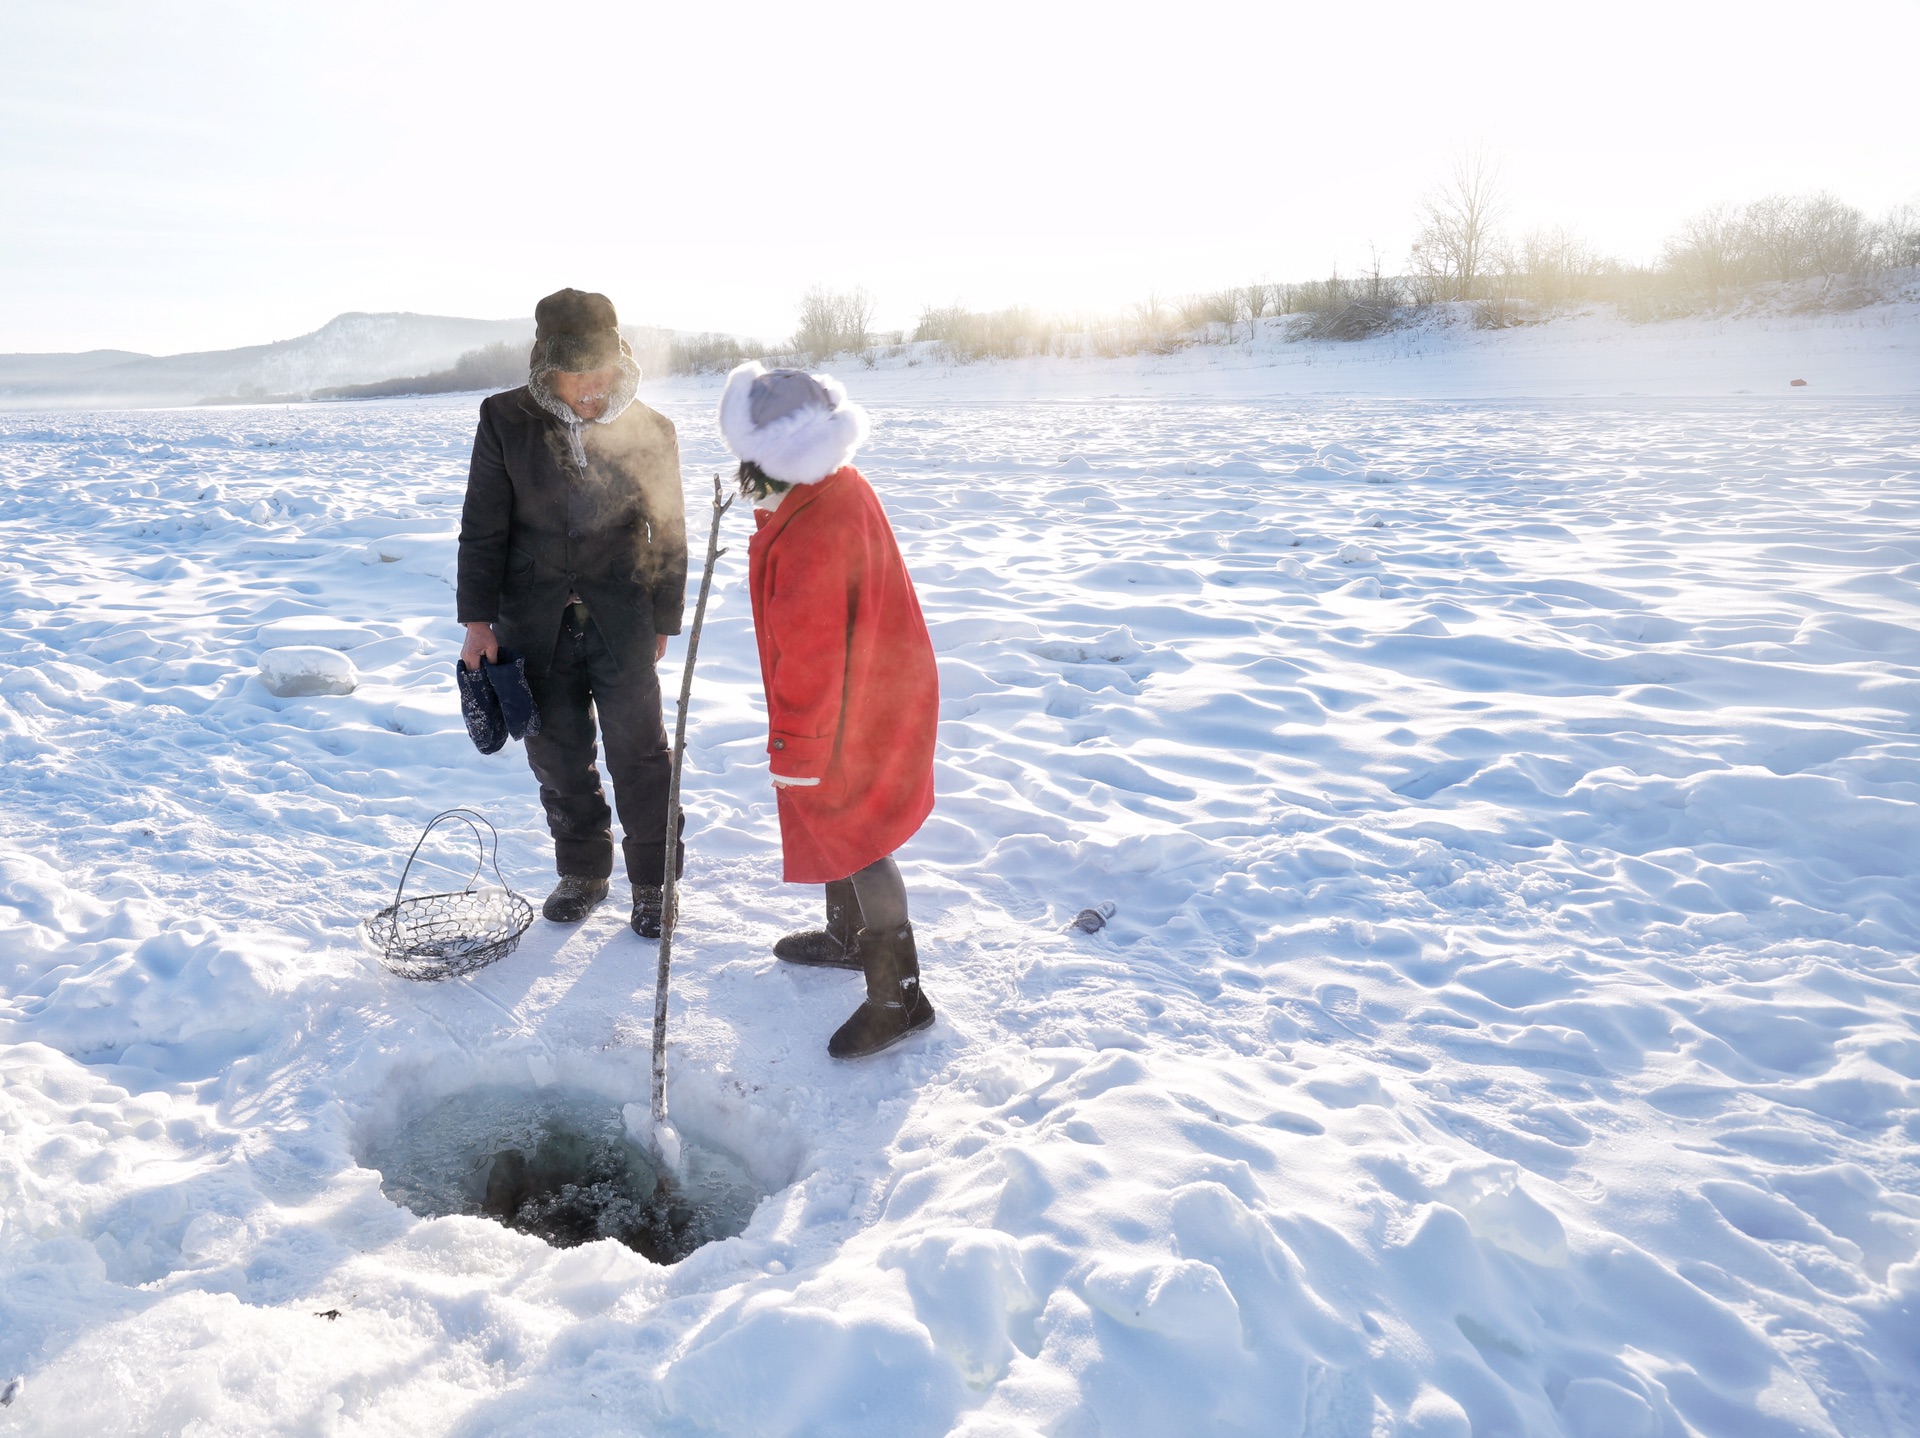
x,y
472,820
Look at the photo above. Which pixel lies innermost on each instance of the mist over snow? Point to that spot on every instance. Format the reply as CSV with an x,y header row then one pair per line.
x,y
1505,786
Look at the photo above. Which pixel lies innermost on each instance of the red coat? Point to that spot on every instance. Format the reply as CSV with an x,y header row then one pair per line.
x,y
853,695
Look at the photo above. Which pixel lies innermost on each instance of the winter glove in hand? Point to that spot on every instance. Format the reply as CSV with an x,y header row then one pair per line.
x,y
480,707
507,676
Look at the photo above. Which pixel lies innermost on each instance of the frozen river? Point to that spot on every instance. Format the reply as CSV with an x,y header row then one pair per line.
x,y
1507,1025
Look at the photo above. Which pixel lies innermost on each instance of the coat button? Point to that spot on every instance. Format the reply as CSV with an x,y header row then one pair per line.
x,y
573,534
779,743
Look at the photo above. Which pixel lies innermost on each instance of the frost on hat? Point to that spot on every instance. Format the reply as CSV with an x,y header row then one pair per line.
x,y
798,427
576,331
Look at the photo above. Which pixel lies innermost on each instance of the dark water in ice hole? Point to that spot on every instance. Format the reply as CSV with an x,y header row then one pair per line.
x,y
558,1164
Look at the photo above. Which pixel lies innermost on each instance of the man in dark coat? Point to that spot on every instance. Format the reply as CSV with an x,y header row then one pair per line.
x,y
573,550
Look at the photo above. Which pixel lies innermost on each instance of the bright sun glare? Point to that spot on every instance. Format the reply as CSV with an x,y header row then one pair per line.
x,y
200,175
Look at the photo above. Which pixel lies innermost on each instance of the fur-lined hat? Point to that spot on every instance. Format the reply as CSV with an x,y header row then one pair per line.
x,y
576,331
798,427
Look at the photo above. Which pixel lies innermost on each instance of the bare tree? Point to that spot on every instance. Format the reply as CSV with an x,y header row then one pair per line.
x,y
1320,297
1897,239
1558,265
1255,301
832,322
1711,252
1837,238
819,324
1456,238
1212,308
1153,319
1377,287
856,319
1774,232
1502,272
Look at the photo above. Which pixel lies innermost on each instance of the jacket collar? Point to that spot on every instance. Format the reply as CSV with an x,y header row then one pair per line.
x,y
798,498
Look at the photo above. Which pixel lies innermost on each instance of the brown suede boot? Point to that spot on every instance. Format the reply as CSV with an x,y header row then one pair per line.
x,y
832,947
895,1006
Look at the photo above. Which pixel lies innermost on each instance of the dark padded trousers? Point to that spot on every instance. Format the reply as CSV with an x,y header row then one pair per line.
x,y
584,685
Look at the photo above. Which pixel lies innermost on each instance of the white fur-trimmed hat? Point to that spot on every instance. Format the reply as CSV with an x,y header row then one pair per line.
x,y
798,427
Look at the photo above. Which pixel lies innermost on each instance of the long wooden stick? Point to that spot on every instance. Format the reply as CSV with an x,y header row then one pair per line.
x,y
670,885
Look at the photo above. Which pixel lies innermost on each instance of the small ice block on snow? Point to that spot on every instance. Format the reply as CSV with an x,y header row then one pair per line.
x,y
296,670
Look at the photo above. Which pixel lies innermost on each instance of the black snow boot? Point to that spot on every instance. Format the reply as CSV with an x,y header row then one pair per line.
x,y
895,1006
649,910
832,947
573,898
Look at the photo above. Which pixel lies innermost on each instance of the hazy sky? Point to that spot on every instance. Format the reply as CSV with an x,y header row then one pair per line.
x,y
197,175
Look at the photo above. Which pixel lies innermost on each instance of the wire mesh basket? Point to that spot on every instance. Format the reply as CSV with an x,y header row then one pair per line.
x,y
440,936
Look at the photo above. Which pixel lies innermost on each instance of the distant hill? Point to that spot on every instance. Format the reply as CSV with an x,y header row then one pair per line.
x,y
350,349
494,367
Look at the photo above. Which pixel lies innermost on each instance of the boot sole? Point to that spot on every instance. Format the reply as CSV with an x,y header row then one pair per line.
x,y
849,965
908,1032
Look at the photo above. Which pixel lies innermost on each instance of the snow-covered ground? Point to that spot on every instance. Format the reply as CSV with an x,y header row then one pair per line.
x,y
1510,1023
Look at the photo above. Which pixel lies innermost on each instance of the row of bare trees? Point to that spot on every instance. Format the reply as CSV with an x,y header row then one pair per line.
x,y
1786,237
1157,323
1460,253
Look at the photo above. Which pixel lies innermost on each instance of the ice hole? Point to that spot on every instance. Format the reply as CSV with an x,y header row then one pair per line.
x,y
559,1164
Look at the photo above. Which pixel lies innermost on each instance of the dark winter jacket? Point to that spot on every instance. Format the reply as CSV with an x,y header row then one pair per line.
x,y
540,527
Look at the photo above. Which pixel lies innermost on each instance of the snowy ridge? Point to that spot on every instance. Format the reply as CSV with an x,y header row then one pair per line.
x,y
348,349
1506,1026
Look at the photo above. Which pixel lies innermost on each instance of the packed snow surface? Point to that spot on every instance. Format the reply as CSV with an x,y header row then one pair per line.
x,y
1506,1022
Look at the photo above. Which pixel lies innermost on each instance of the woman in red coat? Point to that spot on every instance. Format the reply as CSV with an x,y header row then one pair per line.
x,y
853,696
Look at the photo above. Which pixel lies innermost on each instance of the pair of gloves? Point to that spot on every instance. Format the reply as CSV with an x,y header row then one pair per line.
x,y
496,702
